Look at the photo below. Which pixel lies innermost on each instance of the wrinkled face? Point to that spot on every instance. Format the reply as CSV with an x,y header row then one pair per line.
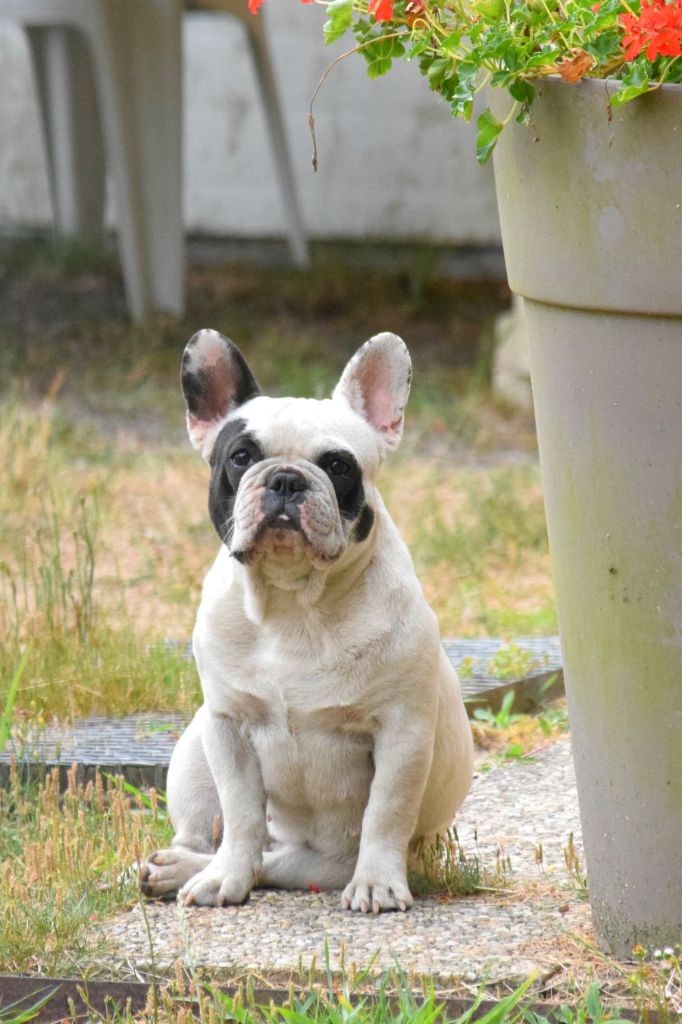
x,y
287,481
291,478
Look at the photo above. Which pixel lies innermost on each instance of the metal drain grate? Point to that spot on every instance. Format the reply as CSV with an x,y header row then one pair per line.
x,y
139,746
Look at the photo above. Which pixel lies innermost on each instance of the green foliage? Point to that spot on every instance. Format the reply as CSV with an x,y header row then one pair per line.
x,y
513,662
17,1013
340,19
461,48
589,1011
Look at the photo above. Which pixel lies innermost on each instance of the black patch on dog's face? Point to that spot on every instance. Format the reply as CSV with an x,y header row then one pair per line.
x,y
235,450
345,474
364,524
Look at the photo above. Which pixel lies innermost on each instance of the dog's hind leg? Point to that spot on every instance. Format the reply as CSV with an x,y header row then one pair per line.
x,y
195,813
291,866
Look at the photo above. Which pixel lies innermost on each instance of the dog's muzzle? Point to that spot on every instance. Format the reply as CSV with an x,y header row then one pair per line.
x,y
285,509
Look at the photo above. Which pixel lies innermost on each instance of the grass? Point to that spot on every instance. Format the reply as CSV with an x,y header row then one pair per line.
x,y
104,536
66,867
62,859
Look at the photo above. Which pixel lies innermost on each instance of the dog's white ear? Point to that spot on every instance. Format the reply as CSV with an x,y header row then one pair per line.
x,y
376,384
215,380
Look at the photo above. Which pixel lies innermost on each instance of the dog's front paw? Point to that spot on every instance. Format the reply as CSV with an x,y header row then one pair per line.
x,y
376,894
213,887
167,871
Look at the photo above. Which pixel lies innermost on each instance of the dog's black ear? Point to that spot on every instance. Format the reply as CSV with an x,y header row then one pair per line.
x,y
376,384
216,380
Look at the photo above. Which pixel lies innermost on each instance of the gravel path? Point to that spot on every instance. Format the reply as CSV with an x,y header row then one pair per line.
x,y
537,923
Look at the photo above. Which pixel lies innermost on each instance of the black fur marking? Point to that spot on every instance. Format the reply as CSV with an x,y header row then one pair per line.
x,y
364,525
225,476
348,488
210,394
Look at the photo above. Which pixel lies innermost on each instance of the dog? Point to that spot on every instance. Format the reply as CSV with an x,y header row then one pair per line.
x,y
333,736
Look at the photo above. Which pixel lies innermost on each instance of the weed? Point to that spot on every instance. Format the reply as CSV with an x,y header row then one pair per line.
x,y
575,868
553,719
657,981
466,668
7,714
478,542
516,753
513,662
444,867
501,719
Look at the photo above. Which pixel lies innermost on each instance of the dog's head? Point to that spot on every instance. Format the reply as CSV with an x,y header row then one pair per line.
x,y
291,478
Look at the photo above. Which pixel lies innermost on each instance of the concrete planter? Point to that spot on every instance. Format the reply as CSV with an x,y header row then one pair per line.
x,y
591,214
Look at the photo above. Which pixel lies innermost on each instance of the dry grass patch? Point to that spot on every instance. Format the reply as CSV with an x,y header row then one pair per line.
x,y
478,538
65,866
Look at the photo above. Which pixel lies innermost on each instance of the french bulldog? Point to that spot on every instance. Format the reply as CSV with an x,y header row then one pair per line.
x,y
333,735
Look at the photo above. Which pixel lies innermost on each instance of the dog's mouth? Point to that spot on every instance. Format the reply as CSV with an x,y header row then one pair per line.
x,y
283,539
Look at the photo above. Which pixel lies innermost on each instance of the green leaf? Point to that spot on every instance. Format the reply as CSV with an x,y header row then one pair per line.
x,y
633,85
438,69
379,56
488,130
452,42
340,19
593,1002
522,91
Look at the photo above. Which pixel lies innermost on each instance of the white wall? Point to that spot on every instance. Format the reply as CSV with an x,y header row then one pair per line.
x,y
393,162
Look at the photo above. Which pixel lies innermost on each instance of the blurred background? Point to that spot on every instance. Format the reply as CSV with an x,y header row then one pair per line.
x,y
104,536
393,163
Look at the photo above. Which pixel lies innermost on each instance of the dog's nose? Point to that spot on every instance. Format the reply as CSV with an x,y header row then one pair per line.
x,y
287,483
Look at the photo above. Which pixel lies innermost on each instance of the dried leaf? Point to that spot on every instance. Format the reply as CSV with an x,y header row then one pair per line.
x,y
572,69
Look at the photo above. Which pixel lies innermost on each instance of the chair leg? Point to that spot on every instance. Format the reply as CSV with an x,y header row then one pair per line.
x,y
70,120
138,63
298,242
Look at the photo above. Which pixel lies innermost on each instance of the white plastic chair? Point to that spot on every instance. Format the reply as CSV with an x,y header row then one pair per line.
x,y
109,75
109,81
255,32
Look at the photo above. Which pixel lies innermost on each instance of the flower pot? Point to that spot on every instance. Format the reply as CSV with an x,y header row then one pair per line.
x,y
591,214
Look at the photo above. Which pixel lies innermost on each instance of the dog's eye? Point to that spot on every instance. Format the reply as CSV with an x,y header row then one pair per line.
x,y
338,467
241,458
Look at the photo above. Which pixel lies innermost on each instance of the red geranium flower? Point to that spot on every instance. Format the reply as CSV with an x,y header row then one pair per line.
x,y
381,9
657,30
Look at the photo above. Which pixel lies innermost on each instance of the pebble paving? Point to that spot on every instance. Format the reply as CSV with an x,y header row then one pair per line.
x,y
501,936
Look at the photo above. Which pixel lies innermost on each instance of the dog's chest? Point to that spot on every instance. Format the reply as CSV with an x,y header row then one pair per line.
x,y
311,748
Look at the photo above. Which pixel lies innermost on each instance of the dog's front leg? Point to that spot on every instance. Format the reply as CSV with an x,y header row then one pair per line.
x,y
403,750
231,874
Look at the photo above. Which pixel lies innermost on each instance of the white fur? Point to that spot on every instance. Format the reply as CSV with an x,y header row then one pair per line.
x,y
333,733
